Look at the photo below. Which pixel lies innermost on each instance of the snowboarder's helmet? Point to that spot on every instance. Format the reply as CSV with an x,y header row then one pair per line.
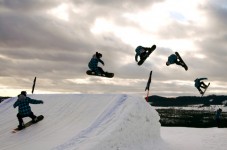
x,y
98,55
23,93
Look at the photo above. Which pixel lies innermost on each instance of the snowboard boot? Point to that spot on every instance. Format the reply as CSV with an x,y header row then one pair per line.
x,y
35,120
21,126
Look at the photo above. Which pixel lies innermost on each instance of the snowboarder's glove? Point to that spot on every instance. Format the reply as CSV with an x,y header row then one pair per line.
x,y
41,102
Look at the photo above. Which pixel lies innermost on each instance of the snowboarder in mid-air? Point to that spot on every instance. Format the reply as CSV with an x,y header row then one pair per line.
x,y
24,109
143,53
93,64
200,84
94,69
176,59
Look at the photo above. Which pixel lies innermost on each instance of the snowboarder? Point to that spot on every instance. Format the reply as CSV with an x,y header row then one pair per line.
x,y
218,117
143,51
173,59
93,64
24,109
200,84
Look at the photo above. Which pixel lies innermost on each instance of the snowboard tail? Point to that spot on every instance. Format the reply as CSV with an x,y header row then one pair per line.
x,y
39,118
106,74
181,60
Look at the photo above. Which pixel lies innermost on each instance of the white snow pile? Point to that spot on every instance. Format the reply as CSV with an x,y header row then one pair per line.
x,y
84,122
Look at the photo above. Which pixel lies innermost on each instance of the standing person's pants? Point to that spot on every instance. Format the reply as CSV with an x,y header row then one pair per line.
x,y
20,117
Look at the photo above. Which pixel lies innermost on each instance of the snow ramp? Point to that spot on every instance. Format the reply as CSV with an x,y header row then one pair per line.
x,y
83,122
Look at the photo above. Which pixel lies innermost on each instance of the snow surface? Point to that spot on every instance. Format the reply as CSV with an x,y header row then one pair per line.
x,y
100,122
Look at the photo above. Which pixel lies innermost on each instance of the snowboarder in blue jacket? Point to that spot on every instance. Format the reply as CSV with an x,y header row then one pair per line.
x,y
93,64
143,51
200,84
172,59
24,109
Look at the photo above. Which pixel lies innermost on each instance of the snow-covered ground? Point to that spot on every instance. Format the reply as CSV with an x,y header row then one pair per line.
x,y
100,122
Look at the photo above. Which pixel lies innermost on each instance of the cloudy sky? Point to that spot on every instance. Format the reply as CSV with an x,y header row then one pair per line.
x,y
54,40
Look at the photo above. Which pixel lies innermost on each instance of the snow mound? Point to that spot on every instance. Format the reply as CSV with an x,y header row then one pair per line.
x,y
84,122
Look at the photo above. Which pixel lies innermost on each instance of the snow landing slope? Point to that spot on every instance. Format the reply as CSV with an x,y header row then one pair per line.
x,y
83,122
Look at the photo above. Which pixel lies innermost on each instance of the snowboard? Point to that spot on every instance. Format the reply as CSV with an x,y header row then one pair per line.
x,y
39,118
181,60
205,90
107,74
147,55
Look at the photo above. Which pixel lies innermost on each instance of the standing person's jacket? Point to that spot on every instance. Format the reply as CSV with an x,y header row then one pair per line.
x,y
23,104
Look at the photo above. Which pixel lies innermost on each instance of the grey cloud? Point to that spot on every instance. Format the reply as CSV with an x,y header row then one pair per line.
x,y
36,44
28,5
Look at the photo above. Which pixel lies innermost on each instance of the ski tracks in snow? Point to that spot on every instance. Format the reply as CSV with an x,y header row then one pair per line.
x,y
103,119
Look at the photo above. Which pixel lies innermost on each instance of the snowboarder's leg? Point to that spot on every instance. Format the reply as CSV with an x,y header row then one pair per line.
x,y
203,85
21,122
200,91
101,70
179,63
218,121
33,117
143,55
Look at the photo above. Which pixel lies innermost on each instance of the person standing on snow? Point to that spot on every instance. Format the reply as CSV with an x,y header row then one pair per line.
x,y
93,64
24,109
200,84
218,117
143,51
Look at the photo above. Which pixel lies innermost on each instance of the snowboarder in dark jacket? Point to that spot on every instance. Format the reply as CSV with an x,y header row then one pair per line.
x,y
93,64
200,84
218,117
143,51
172,59
24,109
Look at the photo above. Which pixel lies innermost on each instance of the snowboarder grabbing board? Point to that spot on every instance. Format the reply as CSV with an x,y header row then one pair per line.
x,y
176,59
200,84
144,53
94,69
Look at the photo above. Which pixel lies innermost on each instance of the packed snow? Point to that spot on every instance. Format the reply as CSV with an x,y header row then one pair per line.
x,y
100,122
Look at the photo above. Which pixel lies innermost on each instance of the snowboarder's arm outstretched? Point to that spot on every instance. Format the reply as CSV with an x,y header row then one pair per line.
x,y
202,79
34,101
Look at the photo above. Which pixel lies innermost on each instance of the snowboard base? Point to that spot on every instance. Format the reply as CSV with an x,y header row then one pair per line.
x,y
107,74
181,60
39,118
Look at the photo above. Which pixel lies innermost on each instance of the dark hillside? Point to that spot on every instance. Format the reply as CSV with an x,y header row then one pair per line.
x,y
187,100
